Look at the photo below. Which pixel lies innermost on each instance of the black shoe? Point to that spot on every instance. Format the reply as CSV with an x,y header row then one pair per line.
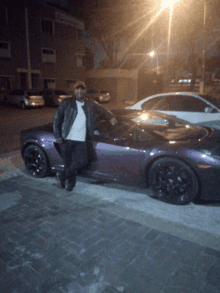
x,y
70,183
60,178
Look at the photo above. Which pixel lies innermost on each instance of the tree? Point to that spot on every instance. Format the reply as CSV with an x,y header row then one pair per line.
x,y
115,26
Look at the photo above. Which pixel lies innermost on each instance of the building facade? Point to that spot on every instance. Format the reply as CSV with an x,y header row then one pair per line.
x,y
40,47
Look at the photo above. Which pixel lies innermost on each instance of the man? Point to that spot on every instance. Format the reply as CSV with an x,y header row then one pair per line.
x,y
73,128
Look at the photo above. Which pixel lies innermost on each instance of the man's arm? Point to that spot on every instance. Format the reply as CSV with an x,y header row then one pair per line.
x,y
108,114
58,121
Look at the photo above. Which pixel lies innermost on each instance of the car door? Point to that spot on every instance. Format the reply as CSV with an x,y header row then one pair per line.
x,y
115,154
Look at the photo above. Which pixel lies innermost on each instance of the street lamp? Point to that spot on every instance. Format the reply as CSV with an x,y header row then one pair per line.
x,y
152,54
168,4
202,84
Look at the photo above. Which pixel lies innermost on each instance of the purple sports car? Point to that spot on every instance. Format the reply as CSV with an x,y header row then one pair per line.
x,y
177,160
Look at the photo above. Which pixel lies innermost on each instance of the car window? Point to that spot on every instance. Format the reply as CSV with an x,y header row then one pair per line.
x,y
92,91
186,103
158,103
60,92
34,93
215,101
103,92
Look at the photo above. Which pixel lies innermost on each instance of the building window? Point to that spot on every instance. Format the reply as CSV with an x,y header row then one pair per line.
x,y
5,50
49,84
79,60
69,85
47,26
3,16
48,55
5,83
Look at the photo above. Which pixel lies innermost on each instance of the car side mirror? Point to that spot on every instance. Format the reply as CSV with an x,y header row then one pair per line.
x,y
208,110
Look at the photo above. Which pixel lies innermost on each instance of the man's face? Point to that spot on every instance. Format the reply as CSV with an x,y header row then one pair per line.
x,y
80,93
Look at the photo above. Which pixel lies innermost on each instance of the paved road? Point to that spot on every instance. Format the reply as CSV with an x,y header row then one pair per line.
x,y
13,120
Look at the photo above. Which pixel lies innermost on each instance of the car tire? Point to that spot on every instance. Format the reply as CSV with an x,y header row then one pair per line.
x,y
23,106
173,181
36,162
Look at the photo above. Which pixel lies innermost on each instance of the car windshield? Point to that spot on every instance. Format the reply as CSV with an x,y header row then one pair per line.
x,y
167,127
60,92
215,101
172,129
148,124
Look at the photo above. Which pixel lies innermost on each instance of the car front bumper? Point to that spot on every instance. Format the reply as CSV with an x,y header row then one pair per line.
x,y
34,103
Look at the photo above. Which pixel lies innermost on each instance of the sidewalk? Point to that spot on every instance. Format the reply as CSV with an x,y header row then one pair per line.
x,y
54,241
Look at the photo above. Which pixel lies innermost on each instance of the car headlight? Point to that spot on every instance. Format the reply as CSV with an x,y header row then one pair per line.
x,y
207,153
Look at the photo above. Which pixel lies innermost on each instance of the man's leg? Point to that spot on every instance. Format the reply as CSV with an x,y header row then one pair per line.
x,y
79,159
66,154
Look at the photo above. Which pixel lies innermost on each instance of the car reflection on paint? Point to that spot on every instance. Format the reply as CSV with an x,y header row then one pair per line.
x,y
179,161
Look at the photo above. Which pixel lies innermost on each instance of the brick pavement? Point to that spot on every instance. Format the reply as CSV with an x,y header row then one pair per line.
x,y
51,243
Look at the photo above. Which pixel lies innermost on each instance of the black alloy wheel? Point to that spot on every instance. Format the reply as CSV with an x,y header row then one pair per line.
x,y
173,181
36,162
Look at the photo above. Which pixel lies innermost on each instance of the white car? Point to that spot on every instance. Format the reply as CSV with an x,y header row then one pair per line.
x,y
196,108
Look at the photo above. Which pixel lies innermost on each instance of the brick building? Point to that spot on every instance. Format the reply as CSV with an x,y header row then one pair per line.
x,y
40,47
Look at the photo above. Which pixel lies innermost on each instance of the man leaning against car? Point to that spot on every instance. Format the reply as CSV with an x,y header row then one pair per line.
x,y
72,127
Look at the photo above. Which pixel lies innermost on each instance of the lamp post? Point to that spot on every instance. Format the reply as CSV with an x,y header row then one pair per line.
x,y
168,4
202,84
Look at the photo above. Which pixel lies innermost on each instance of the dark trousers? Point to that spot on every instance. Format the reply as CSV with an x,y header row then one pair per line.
x,y
74,155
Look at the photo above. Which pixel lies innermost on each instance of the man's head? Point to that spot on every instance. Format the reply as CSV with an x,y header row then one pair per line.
x,y
79,89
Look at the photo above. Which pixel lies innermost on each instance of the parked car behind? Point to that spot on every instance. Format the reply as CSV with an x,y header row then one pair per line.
x,y
193,107
24,99
101,96
53,98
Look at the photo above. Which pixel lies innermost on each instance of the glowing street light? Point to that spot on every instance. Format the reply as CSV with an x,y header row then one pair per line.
x,y
168,3
152,54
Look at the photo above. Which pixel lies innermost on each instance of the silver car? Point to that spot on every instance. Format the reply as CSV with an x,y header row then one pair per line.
x,y
24,99
53,98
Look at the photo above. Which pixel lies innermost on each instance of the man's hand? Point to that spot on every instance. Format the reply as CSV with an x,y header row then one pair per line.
x,y
113,121
59,141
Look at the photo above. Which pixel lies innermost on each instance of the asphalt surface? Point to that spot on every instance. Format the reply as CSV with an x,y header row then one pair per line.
x,y
55,241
